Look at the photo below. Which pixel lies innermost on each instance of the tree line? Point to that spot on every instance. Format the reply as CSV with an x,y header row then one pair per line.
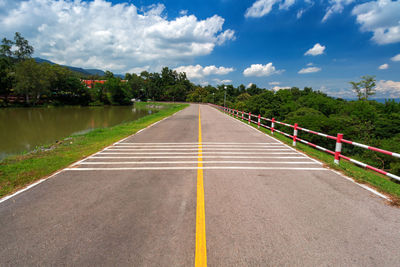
x,y
368,122
364,121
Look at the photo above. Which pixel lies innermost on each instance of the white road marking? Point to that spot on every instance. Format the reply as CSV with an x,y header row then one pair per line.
x,y
194,162
188,153
196,157
195,149
73,164
195,168
196,143
372,190
29,186
196,146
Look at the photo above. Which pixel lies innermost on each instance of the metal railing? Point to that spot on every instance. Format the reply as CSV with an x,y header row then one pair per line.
x,y
258,120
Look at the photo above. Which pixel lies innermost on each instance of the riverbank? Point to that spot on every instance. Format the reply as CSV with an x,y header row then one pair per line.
x,y
31,128
19,171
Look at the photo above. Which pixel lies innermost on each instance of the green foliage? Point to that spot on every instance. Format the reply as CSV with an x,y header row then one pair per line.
x,y
362,121
24,50
32,79
365,87
117,92
19,171
6,77
5,48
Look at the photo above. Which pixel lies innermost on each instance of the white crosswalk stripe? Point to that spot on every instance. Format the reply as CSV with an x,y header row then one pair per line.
x,y
184,156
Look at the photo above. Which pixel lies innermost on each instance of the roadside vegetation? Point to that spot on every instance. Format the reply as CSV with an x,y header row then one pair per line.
x,y
24,82
382,183
367,122
19,171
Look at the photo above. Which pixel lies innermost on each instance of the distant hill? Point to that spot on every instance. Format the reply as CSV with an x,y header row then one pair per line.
x,y
76,69
95,71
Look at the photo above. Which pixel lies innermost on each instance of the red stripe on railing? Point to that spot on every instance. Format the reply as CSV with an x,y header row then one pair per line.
x,y
376,169
327,150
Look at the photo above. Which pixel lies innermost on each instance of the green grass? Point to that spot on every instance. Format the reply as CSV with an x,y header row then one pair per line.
x,y
18,171
380,182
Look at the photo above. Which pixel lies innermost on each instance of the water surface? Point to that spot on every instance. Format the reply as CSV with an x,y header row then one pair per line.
x,y
24,129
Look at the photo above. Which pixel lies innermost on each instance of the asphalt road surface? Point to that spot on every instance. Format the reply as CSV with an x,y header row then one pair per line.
x,y
139,203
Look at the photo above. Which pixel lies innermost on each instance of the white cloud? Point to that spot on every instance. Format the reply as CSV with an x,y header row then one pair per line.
x,y
260,70
340,93
300,13
388,89
310,64
274,83
316,50
286,4
119,37
260,8
384,66
198,72
183,12
249,85
277,88
335,6
218,81
381,18
309,70
396,58
138,70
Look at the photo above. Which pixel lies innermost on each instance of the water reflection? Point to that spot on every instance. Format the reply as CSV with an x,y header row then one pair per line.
x,y
23,129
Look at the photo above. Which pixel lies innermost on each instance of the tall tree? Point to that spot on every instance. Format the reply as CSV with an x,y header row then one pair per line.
x,y
6,76
5,48
32,79
365,87
368,83
24,50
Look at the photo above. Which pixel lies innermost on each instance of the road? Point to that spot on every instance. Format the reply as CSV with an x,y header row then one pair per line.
x,y
140,203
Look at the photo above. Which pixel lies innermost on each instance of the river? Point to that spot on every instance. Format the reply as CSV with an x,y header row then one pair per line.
x,y
24,129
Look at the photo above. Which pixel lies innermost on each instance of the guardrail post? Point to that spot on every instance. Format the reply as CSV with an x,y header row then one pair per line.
x,y
272,125
338,148
242,114
237,113
259,121
249,117
295,134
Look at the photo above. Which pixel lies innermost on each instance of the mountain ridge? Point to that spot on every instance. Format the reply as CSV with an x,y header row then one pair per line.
x,y
76,69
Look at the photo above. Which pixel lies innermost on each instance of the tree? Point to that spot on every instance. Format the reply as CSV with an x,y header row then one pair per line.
x,y
5,48
254,90
32,79
365,87
117,92
6,76
24,50
108,75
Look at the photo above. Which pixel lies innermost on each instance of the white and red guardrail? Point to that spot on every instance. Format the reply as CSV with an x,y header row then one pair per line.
x,y
339,139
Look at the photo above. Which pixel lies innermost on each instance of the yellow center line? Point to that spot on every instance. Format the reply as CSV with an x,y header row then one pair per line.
x,y
201,248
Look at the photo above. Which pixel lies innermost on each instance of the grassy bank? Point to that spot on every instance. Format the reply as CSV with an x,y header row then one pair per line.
x,y
380,182
19,171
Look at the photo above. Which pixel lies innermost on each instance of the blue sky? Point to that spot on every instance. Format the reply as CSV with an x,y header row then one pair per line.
x,y
274,44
